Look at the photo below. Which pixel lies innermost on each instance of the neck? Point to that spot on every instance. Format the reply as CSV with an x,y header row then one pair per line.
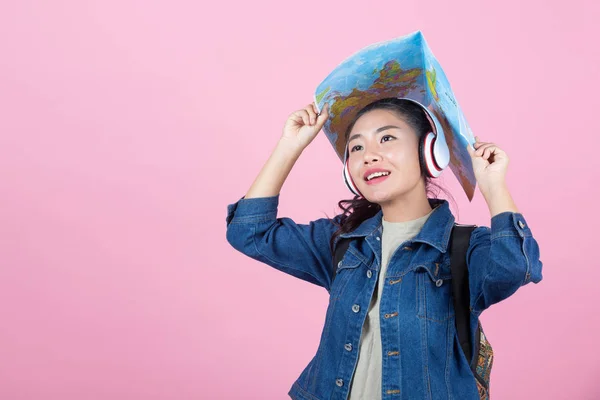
x,y
407,207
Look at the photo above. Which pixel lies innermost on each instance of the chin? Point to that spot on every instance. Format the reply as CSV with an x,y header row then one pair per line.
x,y
384,194
380,196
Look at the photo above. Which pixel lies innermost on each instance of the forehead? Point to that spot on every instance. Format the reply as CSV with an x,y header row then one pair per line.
x,y
371,122
376,118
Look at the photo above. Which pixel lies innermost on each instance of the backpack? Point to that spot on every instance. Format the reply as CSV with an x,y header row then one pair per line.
x,y
481,365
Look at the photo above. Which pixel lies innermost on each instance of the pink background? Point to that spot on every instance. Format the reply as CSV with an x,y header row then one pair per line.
x,y
126,127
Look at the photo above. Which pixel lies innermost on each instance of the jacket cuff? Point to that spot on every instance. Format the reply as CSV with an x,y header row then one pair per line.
x,y
255,209
510,224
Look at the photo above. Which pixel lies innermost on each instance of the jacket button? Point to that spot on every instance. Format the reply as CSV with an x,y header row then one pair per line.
x,y
377,238
339,382
521,224
439,283
369,274
356,308
339,264
348,346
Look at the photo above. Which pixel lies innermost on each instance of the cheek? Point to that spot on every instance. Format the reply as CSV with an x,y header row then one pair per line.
x,y
403,160
406,165
354,168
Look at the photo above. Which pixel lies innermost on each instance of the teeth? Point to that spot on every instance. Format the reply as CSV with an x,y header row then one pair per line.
x,y
376,174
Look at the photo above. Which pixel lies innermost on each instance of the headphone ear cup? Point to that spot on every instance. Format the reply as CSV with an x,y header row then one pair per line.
x,y
429,154
348,180
422,150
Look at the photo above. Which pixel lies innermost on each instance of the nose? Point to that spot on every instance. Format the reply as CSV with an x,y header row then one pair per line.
x,y
370,156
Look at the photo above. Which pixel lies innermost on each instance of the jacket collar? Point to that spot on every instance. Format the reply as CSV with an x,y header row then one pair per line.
x,y
435,232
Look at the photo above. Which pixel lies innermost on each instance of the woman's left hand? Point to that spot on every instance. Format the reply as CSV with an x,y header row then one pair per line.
x,y
489,163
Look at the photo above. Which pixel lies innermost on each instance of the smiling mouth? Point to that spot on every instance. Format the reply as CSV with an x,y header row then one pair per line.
x,y
377,175
377,179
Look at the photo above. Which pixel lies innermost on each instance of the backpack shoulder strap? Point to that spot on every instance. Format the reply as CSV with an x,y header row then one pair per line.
x,y
459,244
340,248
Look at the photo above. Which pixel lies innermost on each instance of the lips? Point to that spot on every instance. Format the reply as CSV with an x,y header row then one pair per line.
x,y
377,180
372,171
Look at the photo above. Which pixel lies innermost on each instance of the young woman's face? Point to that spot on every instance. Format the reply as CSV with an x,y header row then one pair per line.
x,y
381,140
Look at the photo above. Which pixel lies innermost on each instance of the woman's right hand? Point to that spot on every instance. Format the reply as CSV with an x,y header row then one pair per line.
x,y
303,125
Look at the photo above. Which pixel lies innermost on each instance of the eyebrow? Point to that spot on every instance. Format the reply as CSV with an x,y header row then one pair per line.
x,y
383,128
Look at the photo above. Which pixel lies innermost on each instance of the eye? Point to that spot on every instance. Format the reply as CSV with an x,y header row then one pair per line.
x,y
382,139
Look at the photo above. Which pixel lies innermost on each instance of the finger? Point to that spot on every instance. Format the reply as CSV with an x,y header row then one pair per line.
x,y
479,144
487,153
482,148
297,118
492,151
324,114
324,109
304,115
322,118
471,150
482,151
314,107
300,117
312,114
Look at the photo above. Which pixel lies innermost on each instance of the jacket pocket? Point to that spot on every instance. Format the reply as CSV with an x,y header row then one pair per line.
x,y
434,293
345,270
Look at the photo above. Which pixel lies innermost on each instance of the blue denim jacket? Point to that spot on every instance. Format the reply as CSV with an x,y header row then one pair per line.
x,y
422,358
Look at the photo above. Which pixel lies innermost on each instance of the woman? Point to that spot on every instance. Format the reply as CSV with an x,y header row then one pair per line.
x,y
389,330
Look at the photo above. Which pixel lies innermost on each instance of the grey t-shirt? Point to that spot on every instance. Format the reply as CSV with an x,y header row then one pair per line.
x,y
366,381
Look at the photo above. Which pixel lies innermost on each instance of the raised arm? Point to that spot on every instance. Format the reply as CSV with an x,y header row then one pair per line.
x,y
506,256
300,250
299,131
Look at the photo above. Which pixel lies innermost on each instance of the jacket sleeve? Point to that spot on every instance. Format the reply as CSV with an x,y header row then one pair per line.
x,y
300,250
501,259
